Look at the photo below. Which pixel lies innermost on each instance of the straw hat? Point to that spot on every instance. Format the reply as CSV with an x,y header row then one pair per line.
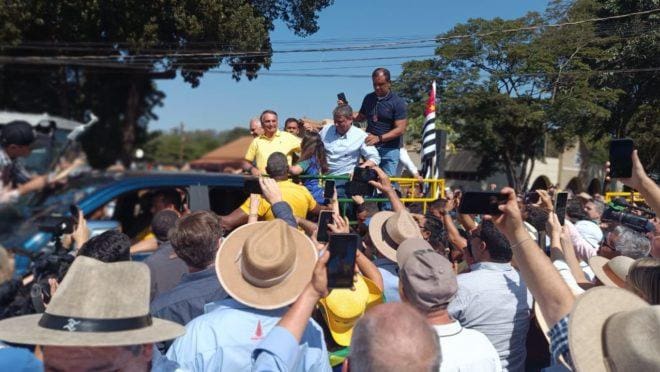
x,y
265,265
613,329
612,272
343,307
97,304
389,229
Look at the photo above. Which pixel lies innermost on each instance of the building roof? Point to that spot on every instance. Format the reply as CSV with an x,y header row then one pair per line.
x,y
232,151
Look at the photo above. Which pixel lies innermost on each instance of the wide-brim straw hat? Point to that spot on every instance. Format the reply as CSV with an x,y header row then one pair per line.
x,y
611,273
265,265
388,230
612,329
97,304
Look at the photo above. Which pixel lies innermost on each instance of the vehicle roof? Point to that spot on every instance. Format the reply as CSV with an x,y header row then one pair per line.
x,y
36,119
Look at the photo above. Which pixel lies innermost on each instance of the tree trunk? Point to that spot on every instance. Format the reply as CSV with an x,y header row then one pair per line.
x,y
509,171
129,124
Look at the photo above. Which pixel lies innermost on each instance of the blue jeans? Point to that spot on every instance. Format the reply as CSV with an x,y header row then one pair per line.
x,y
389,161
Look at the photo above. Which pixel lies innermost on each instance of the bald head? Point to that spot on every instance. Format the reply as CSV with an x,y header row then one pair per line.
x,y
255,127
394,337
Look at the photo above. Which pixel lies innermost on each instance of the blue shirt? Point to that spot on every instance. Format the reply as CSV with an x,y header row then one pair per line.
x,y
311,167
390,272
277,352
224,339
18,359
381,113
493,300
344,151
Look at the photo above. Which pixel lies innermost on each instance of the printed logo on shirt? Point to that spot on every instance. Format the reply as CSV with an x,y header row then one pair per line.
x,y
258,332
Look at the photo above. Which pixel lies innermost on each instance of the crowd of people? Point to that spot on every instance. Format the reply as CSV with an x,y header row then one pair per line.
x,y
436,291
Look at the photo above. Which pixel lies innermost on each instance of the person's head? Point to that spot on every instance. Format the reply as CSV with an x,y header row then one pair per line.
x,y
343,118
109,358
277,166
292,126
487,243
536,216
268,120
162,199
196,238
383,345
594,209
111,246
631,244
434,232
16,138
575,210
312,146
644,279
162,222
381,81
255,127
426,278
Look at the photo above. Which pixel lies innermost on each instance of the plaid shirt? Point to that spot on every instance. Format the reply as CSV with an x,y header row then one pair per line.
x,y
559,341
12,171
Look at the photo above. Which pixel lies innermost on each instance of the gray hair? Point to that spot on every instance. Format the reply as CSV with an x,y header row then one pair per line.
x,y
343,111
277,165
407,344
600,206
631,243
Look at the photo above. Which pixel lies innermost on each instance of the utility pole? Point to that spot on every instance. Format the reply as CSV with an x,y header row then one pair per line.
x,y
181,142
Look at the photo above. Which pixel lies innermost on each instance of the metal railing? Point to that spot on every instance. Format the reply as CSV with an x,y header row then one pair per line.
x,y
629,196
408,186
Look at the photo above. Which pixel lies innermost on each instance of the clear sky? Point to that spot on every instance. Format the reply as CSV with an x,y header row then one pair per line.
x,y
221,103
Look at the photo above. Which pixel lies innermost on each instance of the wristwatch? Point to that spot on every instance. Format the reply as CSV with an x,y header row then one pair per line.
x,y
380,138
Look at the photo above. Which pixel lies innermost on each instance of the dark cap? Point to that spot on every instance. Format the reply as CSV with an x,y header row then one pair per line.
x,y
427,277
17,132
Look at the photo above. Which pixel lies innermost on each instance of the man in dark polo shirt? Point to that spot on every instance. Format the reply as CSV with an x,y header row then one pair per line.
x,y
385,113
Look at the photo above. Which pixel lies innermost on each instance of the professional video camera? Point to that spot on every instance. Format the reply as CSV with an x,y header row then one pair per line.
x,y
619,211
31,293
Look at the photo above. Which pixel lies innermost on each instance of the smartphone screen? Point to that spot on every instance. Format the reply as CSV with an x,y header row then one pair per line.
x,y
342,97
325,217
481,203
364,174
329,190
341,266
560,206
621,158
251,185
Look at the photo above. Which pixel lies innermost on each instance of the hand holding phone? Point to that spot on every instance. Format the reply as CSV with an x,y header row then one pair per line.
x,y
560,206
482,203
531,197
342,97
329,190
341,265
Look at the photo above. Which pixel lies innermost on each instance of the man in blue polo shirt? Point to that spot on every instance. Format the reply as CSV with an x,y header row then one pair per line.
x,y
385,113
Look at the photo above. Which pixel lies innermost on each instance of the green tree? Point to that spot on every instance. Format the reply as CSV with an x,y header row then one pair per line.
x,y
65,57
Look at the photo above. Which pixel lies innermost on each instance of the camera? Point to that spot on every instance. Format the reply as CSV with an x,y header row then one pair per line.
x,y
639,224
56,225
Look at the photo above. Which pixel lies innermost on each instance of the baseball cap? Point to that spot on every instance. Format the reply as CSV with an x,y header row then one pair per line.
x,y
427,277
17,132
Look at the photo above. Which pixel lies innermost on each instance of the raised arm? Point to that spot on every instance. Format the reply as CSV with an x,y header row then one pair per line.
x,y
385,186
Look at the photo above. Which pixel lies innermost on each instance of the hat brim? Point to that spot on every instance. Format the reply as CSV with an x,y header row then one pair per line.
x,y
591,311
376,234
340,333
26,330
267,298
597,264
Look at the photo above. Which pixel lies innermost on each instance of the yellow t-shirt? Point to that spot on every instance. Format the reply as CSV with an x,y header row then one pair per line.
x,y
297,196
262,146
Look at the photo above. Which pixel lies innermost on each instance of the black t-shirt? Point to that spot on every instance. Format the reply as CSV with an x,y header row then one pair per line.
x,y
381,114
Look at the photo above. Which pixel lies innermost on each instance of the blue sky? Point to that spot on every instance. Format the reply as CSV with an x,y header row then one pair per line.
x,y
221,103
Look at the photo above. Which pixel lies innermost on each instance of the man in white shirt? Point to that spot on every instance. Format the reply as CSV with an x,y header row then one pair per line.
x,y
428,282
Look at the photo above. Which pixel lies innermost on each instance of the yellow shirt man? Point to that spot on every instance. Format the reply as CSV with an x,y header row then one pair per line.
x,y
262,146
297,196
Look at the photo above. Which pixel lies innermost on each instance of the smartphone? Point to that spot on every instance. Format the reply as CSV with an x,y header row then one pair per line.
x,y
364,174
74,210
560,206
342,97
621,158
531,197
481,203
329,190
359,188
325,218
251,185
341,266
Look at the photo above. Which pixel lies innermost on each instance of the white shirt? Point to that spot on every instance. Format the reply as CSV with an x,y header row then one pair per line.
x,y
343,152
466,349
